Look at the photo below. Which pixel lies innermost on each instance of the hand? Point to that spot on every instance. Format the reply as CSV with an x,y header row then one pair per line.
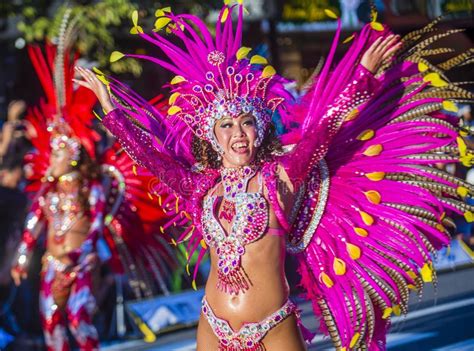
x,y
380,50
18,275
15,109
93,83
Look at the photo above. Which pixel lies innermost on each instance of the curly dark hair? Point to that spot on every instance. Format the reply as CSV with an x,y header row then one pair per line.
x,y
89,171
209,158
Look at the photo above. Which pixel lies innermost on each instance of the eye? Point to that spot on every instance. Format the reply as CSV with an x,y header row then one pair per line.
x,y
226,125
249,122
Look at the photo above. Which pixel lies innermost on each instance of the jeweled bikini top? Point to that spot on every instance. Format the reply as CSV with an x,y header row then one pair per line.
x,y
63,207
250,221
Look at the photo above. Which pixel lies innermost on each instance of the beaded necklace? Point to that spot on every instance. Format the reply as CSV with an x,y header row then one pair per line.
x,y
250,219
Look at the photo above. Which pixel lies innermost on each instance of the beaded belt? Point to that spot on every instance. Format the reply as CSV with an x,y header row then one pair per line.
x,y
250,335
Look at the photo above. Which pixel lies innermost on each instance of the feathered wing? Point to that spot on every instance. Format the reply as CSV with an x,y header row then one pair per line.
x,y
376,206
77,112
133,225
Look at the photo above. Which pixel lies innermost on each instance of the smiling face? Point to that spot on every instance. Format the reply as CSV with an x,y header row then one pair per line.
x,y
236,136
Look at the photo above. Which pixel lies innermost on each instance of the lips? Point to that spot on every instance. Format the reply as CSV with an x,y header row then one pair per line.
x,y
240,147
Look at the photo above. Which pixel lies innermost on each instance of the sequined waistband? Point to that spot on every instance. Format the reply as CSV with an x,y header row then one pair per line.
x,y
249,336
50,260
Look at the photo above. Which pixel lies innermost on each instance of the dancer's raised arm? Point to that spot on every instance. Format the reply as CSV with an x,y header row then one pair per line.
x,y
318,134
138,143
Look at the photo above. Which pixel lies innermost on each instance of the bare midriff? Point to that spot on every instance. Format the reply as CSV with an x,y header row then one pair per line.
x,y
74,237
263,262
71,240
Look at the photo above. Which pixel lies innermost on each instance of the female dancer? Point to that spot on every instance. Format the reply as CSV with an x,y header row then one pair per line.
x,y
69,181
355,198
71,204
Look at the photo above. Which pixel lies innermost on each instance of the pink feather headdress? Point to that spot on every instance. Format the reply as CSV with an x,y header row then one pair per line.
x,y
214,78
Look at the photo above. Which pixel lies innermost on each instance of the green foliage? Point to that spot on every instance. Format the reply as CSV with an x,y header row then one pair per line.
x,y
97,25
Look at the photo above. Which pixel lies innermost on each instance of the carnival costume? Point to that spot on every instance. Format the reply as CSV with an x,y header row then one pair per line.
x,y
119,208
371,207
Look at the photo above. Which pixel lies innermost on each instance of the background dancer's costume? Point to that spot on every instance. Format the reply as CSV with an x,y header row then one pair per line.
x,y
118,206
371,207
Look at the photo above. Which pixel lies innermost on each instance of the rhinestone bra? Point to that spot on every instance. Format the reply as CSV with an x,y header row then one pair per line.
x,y
249,224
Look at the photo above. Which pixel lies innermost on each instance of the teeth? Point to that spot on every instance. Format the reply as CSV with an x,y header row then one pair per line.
x,y
238,145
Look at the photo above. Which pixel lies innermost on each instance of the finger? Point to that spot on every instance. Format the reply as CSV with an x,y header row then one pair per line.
x,y
375,44
82,83
386,43
389,53
82,72
91,75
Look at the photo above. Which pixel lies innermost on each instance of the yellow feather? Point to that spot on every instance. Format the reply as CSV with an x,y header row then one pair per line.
x,y
339,266
450,106
353,250
461,146
361,232
174,110
427,273
373,150
258,60
435,80
387,312
376,26
177,79
225,14
323,277
203,244
268,71
98,71
462,191
194,284
173,98
396,310
330,14
352,115
115,56
366,135
467,160
422,67
136,30
161,22
135,18
469,216
368,219
242,52
375,176
354,340
373,196
349,38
